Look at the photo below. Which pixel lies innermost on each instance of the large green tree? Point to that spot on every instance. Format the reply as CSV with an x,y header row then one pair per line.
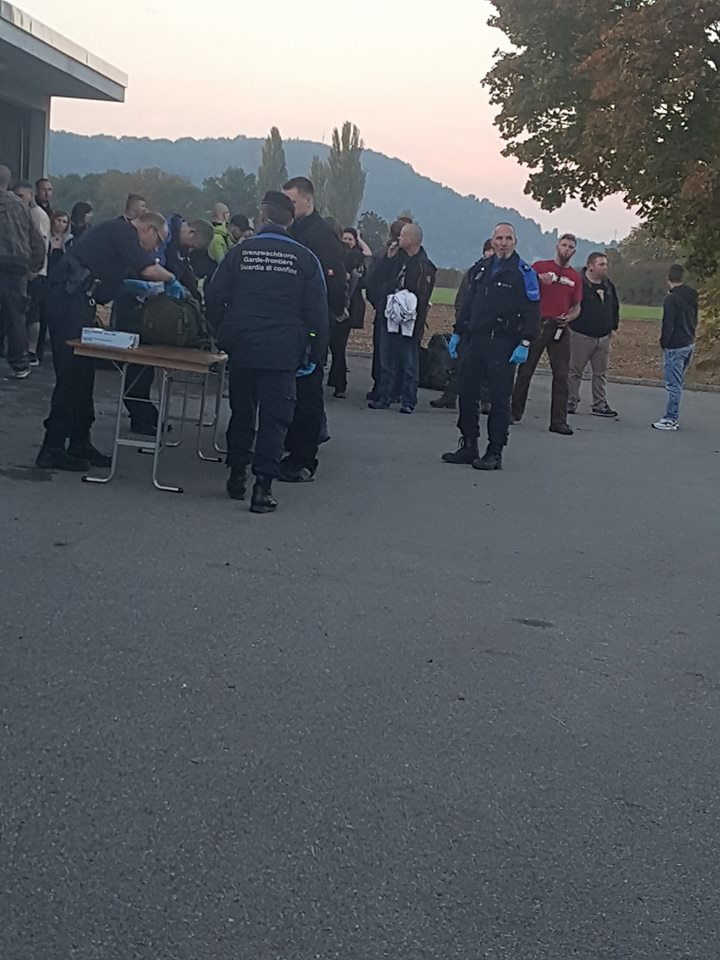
x,y
346,177
600,97
319,176
235,188
273,171
374,230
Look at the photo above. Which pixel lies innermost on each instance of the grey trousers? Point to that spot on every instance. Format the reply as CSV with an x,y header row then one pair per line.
x,y
596,352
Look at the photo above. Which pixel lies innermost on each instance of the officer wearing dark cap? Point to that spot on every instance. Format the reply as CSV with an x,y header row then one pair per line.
x,y
268,306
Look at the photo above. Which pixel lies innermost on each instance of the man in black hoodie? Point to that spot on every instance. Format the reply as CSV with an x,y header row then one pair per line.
x,y
591,335
677,339
309,228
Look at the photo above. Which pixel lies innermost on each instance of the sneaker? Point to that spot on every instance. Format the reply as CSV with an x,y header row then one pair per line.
x,y
48,459
666,424
466,452
564,429
406,409
340,394
604,411
34,360
21,374
291,473
572,407
378,405
443,403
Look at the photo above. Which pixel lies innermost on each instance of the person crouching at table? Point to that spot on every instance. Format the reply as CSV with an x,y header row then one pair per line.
x,y
92,272
268,305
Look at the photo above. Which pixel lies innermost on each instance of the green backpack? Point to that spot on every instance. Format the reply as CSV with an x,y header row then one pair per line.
x,y
173,323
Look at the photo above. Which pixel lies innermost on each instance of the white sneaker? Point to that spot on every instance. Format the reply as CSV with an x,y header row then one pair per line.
x,y
666,424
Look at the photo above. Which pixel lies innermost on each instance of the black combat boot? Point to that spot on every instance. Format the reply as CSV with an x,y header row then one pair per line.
x,y
262,499
466,452
490,460
237,483
445,402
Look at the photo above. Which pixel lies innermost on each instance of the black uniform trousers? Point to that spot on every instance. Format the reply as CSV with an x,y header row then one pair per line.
x,y
486,360
453,385
339,335
303,437
261,404
72,411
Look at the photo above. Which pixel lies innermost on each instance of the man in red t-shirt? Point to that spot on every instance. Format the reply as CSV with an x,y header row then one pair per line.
x,y
561,290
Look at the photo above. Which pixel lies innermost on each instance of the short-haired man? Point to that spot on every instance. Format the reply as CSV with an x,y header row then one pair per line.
x,y
222,240
134,206
93,272
37,288
240,227
310,229
500,318
404,283
379,322
268,305
44,194
448,399
22,253
677,339
591,335
560,298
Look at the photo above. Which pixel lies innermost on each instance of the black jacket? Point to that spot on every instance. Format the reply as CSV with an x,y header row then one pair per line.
x,y
599,314
315,234
401,272
177,259
680,318
268,304
503,298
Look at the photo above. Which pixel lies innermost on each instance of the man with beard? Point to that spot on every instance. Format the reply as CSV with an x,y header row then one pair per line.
x,y
561,291
499,319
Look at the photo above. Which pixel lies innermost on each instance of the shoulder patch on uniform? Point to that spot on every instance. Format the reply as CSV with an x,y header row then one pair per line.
x,y
532,284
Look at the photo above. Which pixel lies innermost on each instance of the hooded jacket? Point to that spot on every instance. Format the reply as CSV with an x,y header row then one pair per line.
x,y
680,318
221,243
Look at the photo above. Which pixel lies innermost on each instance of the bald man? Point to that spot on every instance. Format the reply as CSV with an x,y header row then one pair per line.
x,y
222,240
404,283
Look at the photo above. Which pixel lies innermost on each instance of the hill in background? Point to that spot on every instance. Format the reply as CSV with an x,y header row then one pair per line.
x,y
455,226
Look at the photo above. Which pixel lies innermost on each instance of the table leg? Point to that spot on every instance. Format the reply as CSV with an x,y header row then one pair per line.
x,y
161,425
116,438
201,424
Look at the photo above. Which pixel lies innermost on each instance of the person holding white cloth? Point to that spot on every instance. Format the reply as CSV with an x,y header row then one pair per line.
x,y
404,281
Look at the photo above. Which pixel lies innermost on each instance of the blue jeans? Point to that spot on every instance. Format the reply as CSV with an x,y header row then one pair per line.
x,y
675,364
399,356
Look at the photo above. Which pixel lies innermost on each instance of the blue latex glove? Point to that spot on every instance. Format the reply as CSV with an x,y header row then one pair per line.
x,y
174,289
453,345
306,370
138,288
519,354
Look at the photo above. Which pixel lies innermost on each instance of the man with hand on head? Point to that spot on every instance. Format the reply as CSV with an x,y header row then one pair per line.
x,y
500,318
268,306
561,292
222,240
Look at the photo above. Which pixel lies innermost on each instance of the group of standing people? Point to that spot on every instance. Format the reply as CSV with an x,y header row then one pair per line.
x,y
279,299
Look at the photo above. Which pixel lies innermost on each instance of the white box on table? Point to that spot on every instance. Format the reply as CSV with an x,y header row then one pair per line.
x,y
118,339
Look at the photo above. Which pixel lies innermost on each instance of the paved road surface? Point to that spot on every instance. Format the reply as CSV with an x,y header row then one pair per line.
x,y
420,713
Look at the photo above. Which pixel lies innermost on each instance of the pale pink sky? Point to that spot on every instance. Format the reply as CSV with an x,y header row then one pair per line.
x,y
409,79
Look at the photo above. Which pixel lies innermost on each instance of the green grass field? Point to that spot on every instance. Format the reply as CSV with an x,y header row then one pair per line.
x,y
628,311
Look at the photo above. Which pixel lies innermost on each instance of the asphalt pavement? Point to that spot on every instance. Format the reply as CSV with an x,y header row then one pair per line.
x,y
421,713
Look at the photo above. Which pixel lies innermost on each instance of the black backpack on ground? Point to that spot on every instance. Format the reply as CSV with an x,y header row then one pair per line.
x,y
435,363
